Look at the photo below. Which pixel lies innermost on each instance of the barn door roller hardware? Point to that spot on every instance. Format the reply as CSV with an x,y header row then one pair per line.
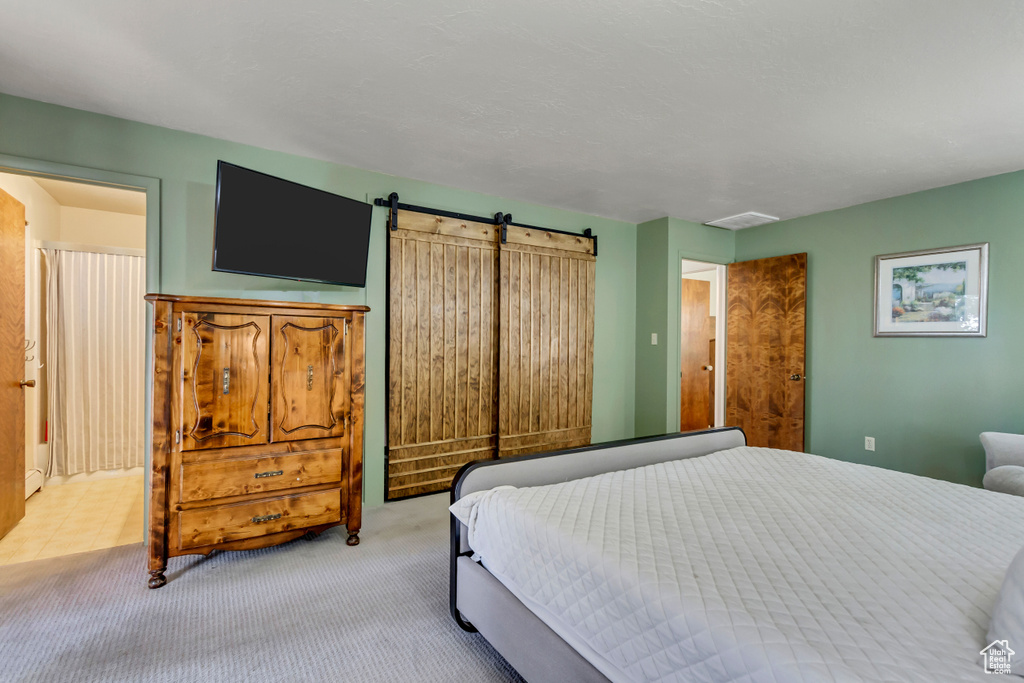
x,y
391,201
502,219
393,198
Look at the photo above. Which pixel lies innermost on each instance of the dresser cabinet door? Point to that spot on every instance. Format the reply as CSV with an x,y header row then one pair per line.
x,y
308,382
225,362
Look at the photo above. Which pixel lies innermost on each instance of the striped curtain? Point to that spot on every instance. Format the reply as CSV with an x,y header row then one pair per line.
x,y
95,357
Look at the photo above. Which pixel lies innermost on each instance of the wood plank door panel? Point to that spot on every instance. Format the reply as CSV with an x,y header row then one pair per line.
x,y
694,336
546,341
765,350
12,362
225,368
308,383
442,353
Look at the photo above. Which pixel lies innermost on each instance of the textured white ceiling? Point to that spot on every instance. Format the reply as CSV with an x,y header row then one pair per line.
x,y
631,109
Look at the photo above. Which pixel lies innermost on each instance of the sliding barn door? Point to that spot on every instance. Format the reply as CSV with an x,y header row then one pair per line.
x,y
443,365
765,350
546,341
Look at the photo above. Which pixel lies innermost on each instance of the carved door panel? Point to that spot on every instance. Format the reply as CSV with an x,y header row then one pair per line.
x,y
225,361
308,381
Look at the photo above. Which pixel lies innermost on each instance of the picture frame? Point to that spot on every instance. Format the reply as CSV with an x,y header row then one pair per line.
x,y
932,292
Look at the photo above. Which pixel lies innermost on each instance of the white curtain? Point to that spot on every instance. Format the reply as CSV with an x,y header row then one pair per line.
x,y
95,353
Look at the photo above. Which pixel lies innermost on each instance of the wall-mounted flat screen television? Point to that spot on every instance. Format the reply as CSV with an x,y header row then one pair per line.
x,y
276,228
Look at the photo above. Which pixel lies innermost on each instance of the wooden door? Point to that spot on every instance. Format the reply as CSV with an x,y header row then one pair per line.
x,y
694,335
12,362
442,354
224,375
307,382
765,350
546,341
711,374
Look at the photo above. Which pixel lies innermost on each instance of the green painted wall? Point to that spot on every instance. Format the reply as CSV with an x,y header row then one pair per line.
x,y
925,400
185,165
661,246
651,306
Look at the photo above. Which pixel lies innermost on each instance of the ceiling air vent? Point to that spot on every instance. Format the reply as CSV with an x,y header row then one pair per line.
x,y
743,220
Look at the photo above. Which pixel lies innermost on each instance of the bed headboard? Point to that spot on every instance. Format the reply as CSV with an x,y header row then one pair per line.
x,y
559,466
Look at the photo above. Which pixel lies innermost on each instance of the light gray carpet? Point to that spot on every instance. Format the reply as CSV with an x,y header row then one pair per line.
x,y
309,610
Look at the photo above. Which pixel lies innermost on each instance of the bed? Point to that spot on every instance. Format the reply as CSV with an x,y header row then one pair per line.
x,y
695,557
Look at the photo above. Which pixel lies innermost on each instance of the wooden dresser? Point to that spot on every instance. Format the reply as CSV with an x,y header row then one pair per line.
x,y
257,424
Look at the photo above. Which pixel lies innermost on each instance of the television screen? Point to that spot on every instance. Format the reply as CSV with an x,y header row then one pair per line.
x,y
276,228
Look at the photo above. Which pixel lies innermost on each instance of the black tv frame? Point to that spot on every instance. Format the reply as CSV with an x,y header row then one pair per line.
x,y
216,211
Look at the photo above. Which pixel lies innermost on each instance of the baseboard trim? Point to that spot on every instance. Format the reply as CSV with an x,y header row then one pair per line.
x,y
57,480
33,482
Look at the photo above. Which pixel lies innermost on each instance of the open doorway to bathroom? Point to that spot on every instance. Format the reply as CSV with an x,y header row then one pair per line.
x,y
85,326
701,346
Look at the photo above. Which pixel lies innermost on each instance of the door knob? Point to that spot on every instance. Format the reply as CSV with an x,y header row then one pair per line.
x,y
27,383
709,368
796,378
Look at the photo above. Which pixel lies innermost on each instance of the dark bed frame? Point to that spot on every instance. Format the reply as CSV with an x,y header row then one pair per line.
x,y
480,603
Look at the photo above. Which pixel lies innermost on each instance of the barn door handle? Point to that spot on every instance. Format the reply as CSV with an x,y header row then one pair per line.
x,y
797,378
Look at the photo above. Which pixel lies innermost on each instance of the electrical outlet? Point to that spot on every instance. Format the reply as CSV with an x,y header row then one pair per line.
x,y
869,443
654,338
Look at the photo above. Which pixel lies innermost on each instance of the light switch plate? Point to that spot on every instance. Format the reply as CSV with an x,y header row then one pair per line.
x,y
654,338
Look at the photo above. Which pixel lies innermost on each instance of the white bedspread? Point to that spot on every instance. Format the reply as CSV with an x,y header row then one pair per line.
x,y
754,564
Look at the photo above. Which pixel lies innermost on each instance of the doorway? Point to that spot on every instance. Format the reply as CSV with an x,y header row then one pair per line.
x,y
81,496
701,347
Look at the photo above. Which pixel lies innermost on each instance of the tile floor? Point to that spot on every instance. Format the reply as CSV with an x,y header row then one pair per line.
x,y
73,518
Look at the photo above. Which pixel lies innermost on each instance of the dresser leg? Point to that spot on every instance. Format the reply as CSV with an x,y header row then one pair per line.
x,y
353,538
157,578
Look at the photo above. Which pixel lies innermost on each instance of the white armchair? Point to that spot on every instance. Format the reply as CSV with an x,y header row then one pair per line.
x,y
1004,462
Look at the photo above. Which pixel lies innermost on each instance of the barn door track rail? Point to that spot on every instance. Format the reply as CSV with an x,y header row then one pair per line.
x,y
502,219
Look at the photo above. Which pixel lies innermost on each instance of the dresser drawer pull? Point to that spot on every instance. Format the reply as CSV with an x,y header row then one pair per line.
x,y
275,473
266,518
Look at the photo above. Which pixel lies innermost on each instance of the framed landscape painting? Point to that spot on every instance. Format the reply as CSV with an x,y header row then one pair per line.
x,y
932,293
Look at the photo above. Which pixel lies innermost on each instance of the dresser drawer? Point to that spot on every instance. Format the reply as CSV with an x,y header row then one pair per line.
x,y
208,526
239,476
